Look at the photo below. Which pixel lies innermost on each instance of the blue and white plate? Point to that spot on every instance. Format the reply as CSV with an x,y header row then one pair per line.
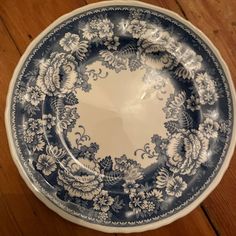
x,y
121,116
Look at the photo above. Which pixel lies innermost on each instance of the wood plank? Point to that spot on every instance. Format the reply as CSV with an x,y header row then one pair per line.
x,y
8,225
29,214
25,19
192,224
217,19
10,181
168,4
21,212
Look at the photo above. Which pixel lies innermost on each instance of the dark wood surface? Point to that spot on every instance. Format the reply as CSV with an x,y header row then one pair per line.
x,y
21,213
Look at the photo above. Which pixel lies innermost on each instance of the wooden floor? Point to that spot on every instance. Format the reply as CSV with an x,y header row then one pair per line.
x,y
21,213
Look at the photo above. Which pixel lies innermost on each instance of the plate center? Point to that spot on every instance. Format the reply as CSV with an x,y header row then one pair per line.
x,y
123,110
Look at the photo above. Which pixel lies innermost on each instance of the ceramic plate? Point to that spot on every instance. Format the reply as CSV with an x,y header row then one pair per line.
x,y
120,116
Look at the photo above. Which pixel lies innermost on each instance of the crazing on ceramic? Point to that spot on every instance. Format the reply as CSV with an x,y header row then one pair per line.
x,y
109,156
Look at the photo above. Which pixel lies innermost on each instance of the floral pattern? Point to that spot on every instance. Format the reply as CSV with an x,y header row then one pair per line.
x,y
47,164
206,89
98,28
34,96
176,186
49,79
103,201
109,186
80,180
209,128
72,42
186,151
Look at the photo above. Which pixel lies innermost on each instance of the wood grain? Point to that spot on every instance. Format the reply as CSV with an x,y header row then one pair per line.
x,y
25,19
193,224
217,19
21,213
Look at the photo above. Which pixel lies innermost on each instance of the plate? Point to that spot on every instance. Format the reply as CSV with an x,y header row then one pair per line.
x,y
121,116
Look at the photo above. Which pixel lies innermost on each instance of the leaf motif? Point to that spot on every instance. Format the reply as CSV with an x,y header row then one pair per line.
x,y
181,71
57,105
30,109
128,50
113,60
162,178
106,163
118,204
150,47
172,126
71,99
185,120
134,63
113,177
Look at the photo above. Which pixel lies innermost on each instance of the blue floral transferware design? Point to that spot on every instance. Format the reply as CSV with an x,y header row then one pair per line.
x,y
120,190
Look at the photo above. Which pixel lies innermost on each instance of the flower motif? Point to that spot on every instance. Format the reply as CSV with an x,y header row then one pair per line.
x,y
136,14
81,178
102,201
174,105
32,127
145,202
155,195
103,216
90,30
47,164
203,81
112,43
105,28
38,143
34,95
208,96
193,103
68,119
72,42
113,60
137,202
206,89
137,28
130,187
209,128
57,75
49,121
224,127
131,169
98,28
28,136
176,186
148,206
186,151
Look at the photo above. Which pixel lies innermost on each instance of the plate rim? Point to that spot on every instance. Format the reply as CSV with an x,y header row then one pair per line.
x,y
138,228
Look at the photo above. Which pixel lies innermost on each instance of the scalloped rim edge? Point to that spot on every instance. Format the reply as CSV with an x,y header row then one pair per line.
x,y
110,229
